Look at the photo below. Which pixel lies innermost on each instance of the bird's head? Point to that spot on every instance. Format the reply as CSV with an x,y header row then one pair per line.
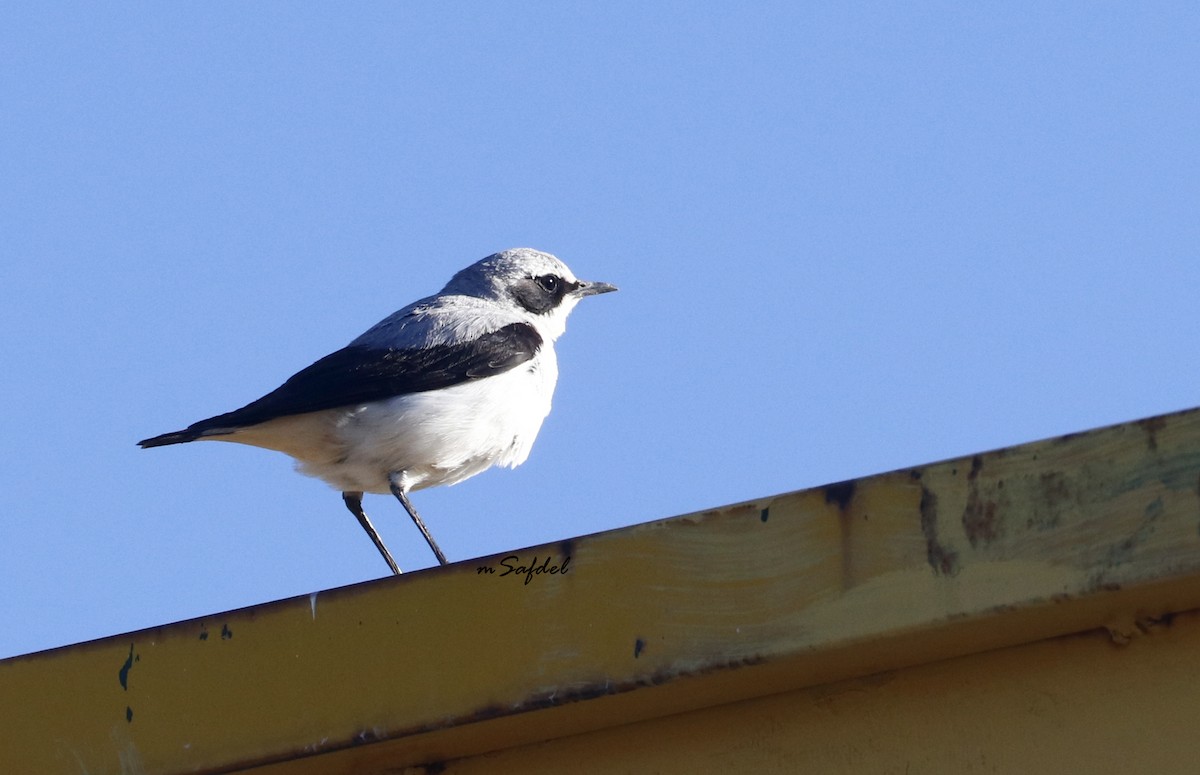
x,y
535,283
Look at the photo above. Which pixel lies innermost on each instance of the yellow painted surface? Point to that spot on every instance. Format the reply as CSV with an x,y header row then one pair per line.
x,y
1074,704
789,592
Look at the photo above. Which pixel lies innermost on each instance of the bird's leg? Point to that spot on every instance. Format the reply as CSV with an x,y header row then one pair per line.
x,y
353,502
398,490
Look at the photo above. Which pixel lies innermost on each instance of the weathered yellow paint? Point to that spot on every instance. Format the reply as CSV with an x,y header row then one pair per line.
x,y
1073,704
802,590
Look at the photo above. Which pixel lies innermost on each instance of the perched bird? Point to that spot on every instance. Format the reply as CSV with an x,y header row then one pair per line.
x,y
437,392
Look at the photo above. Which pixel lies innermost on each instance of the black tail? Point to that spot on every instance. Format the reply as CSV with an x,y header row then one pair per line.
x,y
177,437
213,426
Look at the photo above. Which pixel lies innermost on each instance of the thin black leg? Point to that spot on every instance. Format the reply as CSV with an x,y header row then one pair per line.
x,y
402,496
353,501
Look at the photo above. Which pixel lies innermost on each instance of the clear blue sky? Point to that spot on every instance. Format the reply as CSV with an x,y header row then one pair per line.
x,y
849,238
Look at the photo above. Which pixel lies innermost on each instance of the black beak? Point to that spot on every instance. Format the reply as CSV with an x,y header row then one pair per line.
x,y
591,289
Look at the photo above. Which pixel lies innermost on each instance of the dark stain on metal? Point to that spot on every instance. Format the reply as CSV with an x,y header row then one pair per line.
x,y
1122,551
943,561
203,633
840,493
485,713
434,768
980,519
1163,620
365,736
226,633
915,474
1055,493
546,699
128,714
1152,426
123,673
765,514
1095,583
1053,488
1068,437
595,690
639,646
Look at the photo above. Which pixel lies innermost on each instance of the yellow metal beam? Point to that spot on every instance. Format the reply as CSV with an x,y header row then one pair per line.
x,y
1094,530
1072,704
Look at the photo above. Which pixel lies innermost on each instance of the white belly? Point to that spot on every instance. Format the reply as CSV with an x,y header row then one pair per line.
x,y
436,437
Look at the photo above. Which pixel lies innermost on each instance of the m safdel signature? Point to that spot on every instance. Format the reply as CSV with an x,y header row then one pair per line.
x,y
514,566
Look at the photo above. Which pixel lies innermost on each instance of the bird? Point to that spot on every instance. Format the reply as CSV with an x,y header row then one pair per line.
x,y
435,393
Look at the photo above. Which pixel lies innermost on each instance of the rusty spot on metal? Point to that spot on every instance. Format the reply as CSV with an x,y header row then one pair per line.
x,y
976,467
943,561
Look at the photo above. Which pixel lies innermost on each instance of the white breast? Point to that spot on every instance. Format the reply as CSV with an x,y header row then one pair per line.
x,y
440,436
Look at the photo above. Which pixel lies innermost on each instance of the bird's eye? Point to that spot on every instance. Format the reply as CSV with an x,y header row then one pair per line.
x,y
548,283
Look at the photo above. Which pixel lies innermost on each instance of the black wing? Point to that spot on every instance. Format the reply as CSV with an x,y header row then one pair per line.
x,y
355,375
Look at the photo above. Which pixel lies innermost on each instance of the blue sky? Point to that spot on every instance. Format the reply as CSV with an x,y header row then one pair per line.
x,y
849,238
